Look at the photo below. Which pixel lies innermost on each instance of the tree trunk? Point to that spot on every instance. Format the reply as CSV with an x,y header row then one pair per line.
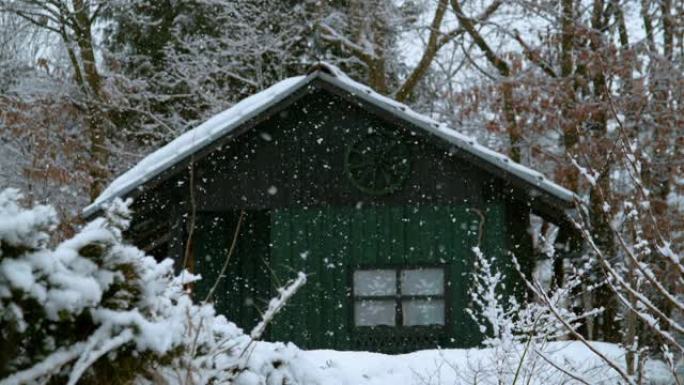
x,y
97,123
514,132
600,194
568,120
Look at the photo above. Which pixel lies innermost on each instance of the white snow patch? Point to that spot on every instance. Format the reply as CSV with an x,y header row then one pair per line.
x,y
18,273
441,367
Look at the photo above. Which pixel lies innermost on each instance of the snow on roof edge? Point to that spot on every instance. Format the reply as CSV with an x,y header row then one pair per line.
x,y
194,139
224,122
462,141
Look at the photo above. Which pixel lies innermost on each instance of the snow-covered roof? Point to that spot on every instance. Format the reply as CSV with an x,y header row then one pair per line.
x,y
225,122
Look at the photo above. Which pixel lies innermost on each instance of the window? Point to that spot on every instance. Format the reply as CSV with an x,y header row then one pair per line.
x,y
406,297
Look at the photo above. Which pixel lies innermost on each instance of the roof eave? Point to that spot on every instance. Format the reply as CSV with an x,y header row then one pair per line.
x,y
95,207
538,181
553,194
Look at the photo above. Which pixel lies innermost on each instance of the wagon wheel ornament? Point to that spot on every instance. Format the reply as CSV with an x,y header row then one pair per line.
x,y
378,163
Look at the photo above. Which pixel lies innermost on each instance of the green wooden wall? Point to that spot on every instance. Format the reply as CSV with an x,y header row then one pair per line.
x,y
243,293
328,243
312,222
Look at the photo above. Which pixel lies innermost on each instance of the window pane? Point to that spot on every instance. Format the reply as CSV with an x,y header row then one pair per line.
x,y
375,282
374,312
423,312
422,282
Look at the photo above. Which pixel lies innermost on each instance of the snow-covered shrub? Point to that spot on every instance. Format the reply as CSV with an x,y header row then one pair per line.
x,y
96,310
519,334
522,339
506,320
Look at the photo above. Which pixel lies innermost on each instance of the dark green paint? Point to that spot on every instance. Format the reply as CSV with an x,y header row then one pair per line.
x,y
318,211
328,243
244,291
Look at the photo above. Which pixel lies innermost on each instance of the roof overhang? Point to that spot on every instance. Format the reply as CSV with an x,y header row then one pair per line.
x,y
550,199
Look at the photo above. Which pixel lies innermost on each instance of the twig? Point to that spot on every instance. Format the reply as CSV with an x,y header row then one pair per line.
x,y
527,348
560,368
579,337
274,306
277,304
480,227
230,253
51,364
105,347
193,209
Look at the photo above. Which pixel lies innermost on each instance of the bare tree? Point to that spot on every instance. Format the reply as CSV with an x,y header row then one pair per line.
x,y
367,32
73,22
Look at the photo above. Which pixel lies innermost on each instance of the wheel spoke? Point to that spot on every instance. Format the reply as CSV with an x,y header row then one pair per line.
x,y
378,163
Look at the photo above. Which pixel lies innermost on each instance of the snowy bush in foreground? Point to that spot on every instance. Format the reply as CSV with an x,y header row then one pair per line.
x,y
95,310
516,333
524,340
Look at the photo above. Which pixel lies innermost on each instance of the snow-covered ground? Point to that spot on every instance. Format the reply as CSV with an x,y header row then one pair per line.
x,y
445,367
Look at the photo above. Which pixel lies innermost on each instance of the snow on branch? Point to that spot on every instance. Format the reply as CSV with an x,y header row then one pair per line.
x,y
94,305
49,365
276,304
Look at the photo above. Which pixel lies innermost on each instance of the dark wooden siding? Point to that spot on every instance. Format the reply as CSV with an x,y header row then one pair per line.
x,y
301,153
329,243
244,291
288,173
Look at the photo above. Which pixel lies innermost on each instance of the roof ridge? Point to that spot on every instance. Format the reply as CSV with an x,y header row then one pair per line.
x,y
323,66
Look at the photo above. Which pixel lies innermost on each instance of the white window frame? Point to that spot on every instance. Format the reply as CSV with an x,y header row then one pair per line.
x,y
399,298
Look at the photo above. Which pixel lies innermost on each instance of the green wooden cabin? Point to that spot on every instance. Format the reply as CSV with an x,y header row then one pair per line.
x,y
378,205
